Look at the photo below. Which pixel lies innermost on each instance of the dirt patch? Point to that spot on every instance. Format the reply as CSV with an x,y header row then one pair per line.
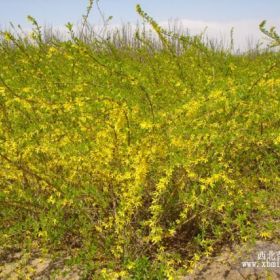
x,y
16,265
252,262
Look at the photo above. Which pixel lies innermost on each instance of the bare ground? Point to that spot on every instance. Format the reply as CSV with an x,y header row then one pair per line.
x,y
260,261
229,264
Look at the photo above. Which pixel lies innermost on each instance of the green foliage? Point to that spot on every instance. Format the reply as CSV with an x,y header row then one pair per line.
x,y
138,161
271,33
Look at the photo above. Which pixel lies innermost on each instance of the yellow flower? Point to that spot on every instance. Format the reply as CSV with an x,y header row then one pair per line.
x,y
146,125
51,200
2,89
265,234
26,89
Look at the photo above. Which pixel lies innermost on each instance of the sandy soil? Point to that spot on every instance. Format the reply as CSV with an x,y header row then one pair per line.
x,y
229,264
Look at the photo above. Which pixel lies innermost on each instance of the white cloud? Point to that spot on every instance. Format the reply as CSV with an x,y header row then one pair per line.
x,y
246,33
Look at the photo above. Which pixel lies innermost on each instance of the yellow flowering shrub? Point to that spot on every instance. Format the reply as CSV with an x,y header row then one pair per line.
x,y
136,160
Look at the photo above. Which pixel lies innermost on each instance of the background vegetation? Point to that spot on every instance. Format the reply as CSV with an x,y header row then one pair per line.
x,y
136,156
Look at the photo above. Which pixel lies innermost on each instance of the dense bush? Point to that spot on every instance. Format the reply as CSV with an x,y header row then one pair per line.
x,y
138,160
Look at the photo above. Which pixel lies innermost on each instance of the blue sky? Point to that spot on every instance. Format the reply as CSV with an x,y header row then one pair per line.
x,y
218,15
59,12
